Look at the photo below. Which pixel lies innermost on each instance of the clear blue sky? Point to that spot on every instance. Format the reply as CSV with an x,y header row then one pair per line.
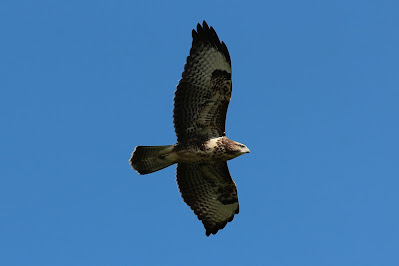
x,y
315,98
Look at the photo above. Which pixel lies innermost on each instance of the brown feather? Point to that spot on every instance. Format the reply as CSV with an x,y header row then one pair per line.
x,y
210,192
203,94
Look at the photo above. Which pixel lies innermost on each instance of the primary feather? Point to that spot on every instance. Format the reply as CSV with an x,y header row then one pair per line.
x,y
202,149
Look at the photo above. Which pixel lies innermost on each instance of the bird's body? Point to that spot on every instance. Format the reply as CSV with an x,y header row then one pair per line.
x,y
202,149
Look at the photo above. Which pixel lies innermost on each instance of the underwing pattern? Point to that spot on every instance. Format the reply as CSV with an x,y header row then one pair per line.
x,y
202,150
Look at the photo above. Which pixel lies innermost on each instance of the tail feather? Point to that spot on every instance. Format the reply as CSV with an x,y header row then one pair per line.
x,y
148,159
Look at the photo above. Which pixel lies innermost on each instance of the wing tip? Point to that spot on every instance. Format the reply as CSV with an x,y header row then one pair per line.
x,y
207,35
215,227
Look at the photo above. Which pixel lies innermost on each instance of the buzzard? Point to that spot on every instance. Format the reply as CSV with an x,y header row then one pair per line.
x,y
202,149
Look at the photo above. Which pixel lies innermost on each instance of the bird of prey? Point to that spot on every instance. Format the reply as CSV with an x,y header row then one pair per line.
x,y
202,149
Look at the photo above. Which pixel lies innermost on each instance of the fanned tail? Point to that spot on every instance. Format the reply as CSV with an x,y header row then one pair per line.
x,y
148,159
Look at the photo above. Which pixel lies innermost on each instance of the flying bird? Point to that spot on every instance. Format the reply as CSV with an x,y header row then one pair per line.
x,y
202,149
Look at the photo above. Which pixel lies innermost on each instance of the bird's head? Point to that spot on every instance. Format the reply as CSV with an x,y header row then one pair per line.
x,y
241,148
236,149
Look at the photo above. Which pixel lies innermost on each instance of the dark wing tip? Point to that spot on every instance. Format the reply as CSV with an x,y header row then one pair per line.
x,y
214,228
205,25
195,35
207,35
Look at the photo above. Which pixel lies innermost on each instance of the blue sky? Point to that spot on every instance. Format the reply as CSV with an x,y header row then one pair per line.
x,y
315,98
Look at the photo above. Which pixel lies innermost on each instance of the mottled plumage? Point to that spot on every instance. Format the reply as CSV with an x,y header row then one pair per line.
x,y
204,92
202,149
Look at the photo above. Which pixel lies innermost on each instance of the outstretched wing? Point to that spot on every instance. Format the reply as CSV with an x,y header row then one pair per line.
x,y
203,94
210,192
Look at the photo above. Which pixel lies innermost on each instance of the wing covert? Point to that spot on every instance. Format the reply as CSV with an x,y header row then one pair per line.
x,y
210,192
203,94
